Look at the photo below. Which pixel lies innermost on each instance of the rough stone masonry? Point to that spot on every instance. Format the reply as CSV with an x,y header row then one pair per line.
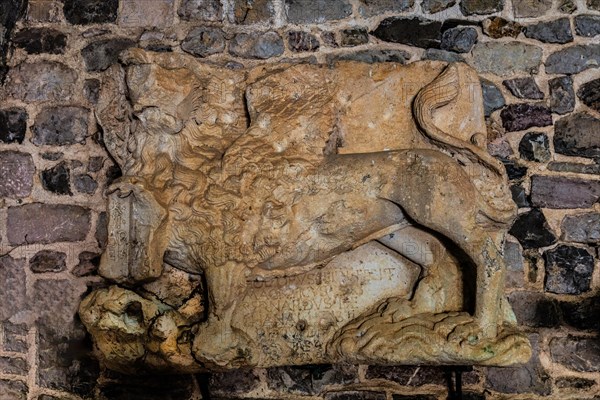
x,y
539,66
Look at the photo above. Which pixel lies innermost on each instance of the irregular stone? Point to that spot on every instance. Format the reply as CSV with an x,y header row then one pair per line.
x,y
85,184
41,40
451,23
316,11
371,56
481,7
13,298
514,170
580,354
52,155
519,196
557,31
41,81
524,88
237,381
362,395
253,11
48,261
567,6
201,10
328,39
518,117
417,376
507,58
113,172
531,8
101,233
158,47
573,59
513,256
13,124
563,192
527,378
16,174
44,11
57,179
309,379
299,41
47,223
532,230
100,55
435,6
83,12
88,264
581,228
154,13
581,313
414,31
354,37
568,270
587,25
95,164
562,95
13,390
369,8
14,336
593,4
442,55
536,310
500,148
592,169
204,41
459,40
257,45
91,90
60,125
167,387
492,97
577,135
572,382
589,93
498,27
535,146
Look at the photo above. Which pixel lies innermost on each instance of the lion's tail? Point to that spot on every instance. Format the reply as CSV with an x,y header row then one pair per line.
x,y
440,92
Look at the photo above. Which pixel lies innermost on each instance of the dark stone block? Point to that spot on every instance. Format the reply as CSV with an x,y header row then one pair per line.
x,y
85,184
57,179
101,233
524,88
13,124
41,40
519,196
83,12
238,381
442,55
557,31
481,7
371,56
587,25
573,59
48,261
201,10
530,9
13,390
47,223
492,97
414,31
577,135
527,378
299,41
204,41
162,387
532,230
16,174
535,146
518,117
535,309
41,81
354,37
418,376
593,4
580,354
581,228
435,6
253,11
572,382
12,296
514,170
563,192
60,125
257,45
316,11
414,397
88,264
513,256
459,40
362,395
309,379
583,313
562,95
13,366
369,8
91,90
100,55
589,93
568,270
498,27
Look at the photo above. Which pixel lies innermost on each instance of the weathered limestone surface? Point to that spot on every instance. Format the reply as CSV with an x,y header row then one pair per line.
x,y
277,233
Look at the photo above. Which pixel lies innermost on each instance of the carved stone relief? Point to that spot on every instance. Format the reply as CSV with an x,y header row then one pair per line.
x,y
300,214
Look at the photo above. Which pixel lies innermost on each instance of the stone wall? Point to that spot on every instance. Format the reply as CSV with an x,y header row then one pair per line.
x,y
539,64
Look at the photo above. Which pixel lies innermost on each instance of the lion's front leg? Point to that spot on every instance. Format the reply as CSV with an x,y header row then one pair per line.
x,y
217,342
